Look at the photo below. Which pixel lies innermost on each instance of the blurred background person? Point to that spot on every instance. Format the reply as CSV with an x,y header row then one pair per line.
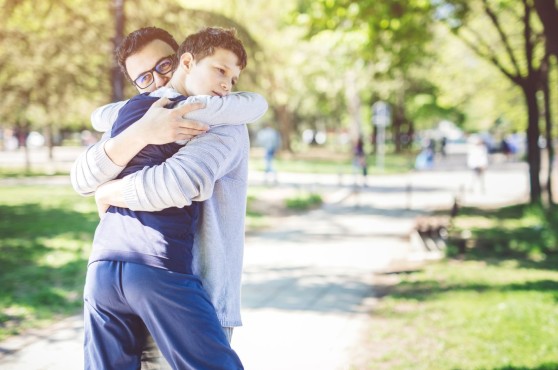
x,y
269,139
477,161
359,159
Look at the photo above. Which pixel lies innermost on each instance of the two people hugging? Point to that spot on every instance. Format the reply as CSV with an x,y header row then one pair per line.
x,y
170,182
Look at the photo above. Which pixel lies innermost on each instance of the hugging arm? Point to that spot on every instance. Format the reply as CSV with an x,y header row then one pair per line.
x,y
103,161
189,175
234,109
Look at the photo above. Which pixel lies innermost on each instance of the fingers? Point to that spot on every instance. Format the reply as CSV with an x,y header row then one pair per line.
x,y
188,131
185,137
187,108
161,102
192,127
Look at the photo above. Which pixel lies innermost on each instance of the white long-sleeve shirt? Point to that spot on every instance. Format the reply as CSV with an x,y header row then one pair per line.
x,y
212,167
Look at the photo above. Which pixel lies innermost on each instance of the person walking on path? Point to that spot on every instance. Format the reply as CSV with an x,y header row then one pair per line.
x,y
359,159
477,161
270,140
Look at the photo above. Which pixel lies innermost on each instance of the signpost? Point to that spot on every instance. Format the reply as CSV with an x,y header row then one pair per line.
x,y
381,117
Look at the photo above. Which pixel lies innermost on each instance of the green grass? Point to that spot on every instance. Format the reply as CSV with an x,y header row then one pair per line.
x,y
45,240
19,173
472,314
494,308
300,164
46,234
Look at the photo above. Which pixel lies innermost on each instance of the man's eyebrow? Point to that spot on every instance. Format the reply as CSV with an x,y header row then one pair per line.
x,y
155,65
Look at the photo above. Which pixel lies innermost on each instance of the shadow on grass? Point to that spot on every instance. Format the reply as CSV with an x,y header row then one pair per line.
x,y
547,366
423,290
43,260
496,255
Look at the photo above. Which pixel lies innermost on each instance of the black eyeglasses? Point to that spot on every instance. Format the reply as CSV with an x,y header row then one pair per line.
x,y
163,66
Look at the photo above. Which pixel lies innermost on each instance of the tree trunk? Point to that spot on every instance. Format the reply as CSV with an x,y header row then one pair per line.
x,y
49,141
116,75
353,105
533,133
548,128
286,125
398,120
23,135
548,13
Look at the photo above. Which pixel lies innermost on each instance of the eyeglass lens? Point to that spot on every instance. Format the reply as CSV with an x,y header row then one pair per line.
x,y
163,67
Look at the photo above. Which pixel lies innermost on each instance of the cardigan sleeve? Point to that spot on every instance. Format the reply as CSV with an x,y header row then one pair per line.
x,y
190,174
93,168
104,117
234,109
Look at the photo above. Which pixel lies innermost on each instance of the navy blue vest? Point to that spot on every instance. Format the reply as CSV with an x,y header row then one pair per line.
x,y
162,239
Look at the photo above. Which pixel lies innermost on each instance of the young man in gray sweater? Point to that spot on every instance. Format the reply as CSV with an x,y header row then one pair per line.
x,y
212,166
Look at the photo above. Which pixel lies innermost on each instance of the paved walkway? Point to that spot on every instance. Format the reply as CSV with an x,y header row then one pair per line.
x,y
308,281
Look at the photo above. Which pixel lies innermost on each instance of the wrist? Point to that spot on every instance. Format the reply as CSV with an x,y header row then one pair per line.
x,y
136,134
100,194
123,147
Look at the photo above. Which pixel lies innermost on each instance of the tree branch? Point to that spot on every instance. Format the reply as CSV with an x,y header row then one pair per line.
x,y
502,34
517,78
527,35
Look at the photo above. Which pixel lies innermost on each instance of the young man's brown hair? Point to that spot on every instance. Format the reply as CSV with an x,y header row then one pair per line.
x,y
137,40
203,43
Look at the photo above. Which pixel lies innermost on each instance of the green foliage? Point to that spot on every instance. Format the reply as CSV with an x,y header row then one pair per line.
x,y
523,231
56,58
304,201
49,77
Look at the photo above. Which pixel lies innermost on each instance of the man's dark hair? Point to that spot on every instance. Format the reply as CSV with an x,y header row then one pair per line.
x,y
203,43
137,40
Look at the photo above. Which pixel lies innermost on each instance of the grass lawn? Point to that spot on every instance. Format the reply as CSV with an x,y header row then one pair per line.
x,y
45,239
494,314
496,307
327,162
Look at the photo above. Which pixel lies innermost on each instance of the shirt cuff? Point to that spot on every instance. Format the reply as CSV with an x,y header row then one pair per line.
x,y
105,164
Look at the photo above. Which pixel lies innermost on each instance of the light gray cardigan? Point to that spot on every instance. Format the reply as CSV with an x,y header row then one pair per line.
x,y
213,168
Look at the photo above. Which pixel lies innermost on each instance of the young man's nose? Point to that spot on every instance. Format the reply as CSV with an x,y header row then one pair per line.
x,y
226,86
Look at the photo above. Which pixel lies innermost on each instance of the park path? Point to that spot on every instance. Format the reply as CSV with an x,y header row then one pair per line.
x,y
308,282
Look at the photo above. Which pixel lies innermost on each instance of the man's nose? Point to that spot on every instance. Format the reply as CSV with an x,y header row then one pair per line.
x,y
160,80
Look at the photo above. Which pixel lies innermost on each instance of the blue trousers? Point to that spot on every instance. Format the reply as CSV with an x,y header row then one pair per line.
x,y
122,299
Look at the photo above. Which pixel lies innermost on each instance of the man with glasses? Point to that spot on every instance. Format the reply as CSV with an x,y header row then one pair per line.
x,y
217,253
164,66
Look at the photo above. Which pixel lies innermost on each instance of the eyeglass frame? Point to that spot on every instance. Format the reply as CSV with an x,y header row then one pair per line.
x,y
173,59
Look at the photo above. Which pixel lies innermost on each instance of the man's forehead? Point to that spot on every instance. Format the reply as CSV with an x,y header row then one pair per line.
x,y
146,58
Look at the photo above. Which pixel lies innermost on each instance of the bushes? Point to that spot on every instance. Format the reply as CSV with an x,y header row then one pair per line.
x,y
521,230
303,202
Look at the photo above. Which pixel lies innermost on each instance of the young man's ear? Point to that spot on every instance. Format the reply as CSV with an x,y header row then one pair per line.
x,y
186,61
